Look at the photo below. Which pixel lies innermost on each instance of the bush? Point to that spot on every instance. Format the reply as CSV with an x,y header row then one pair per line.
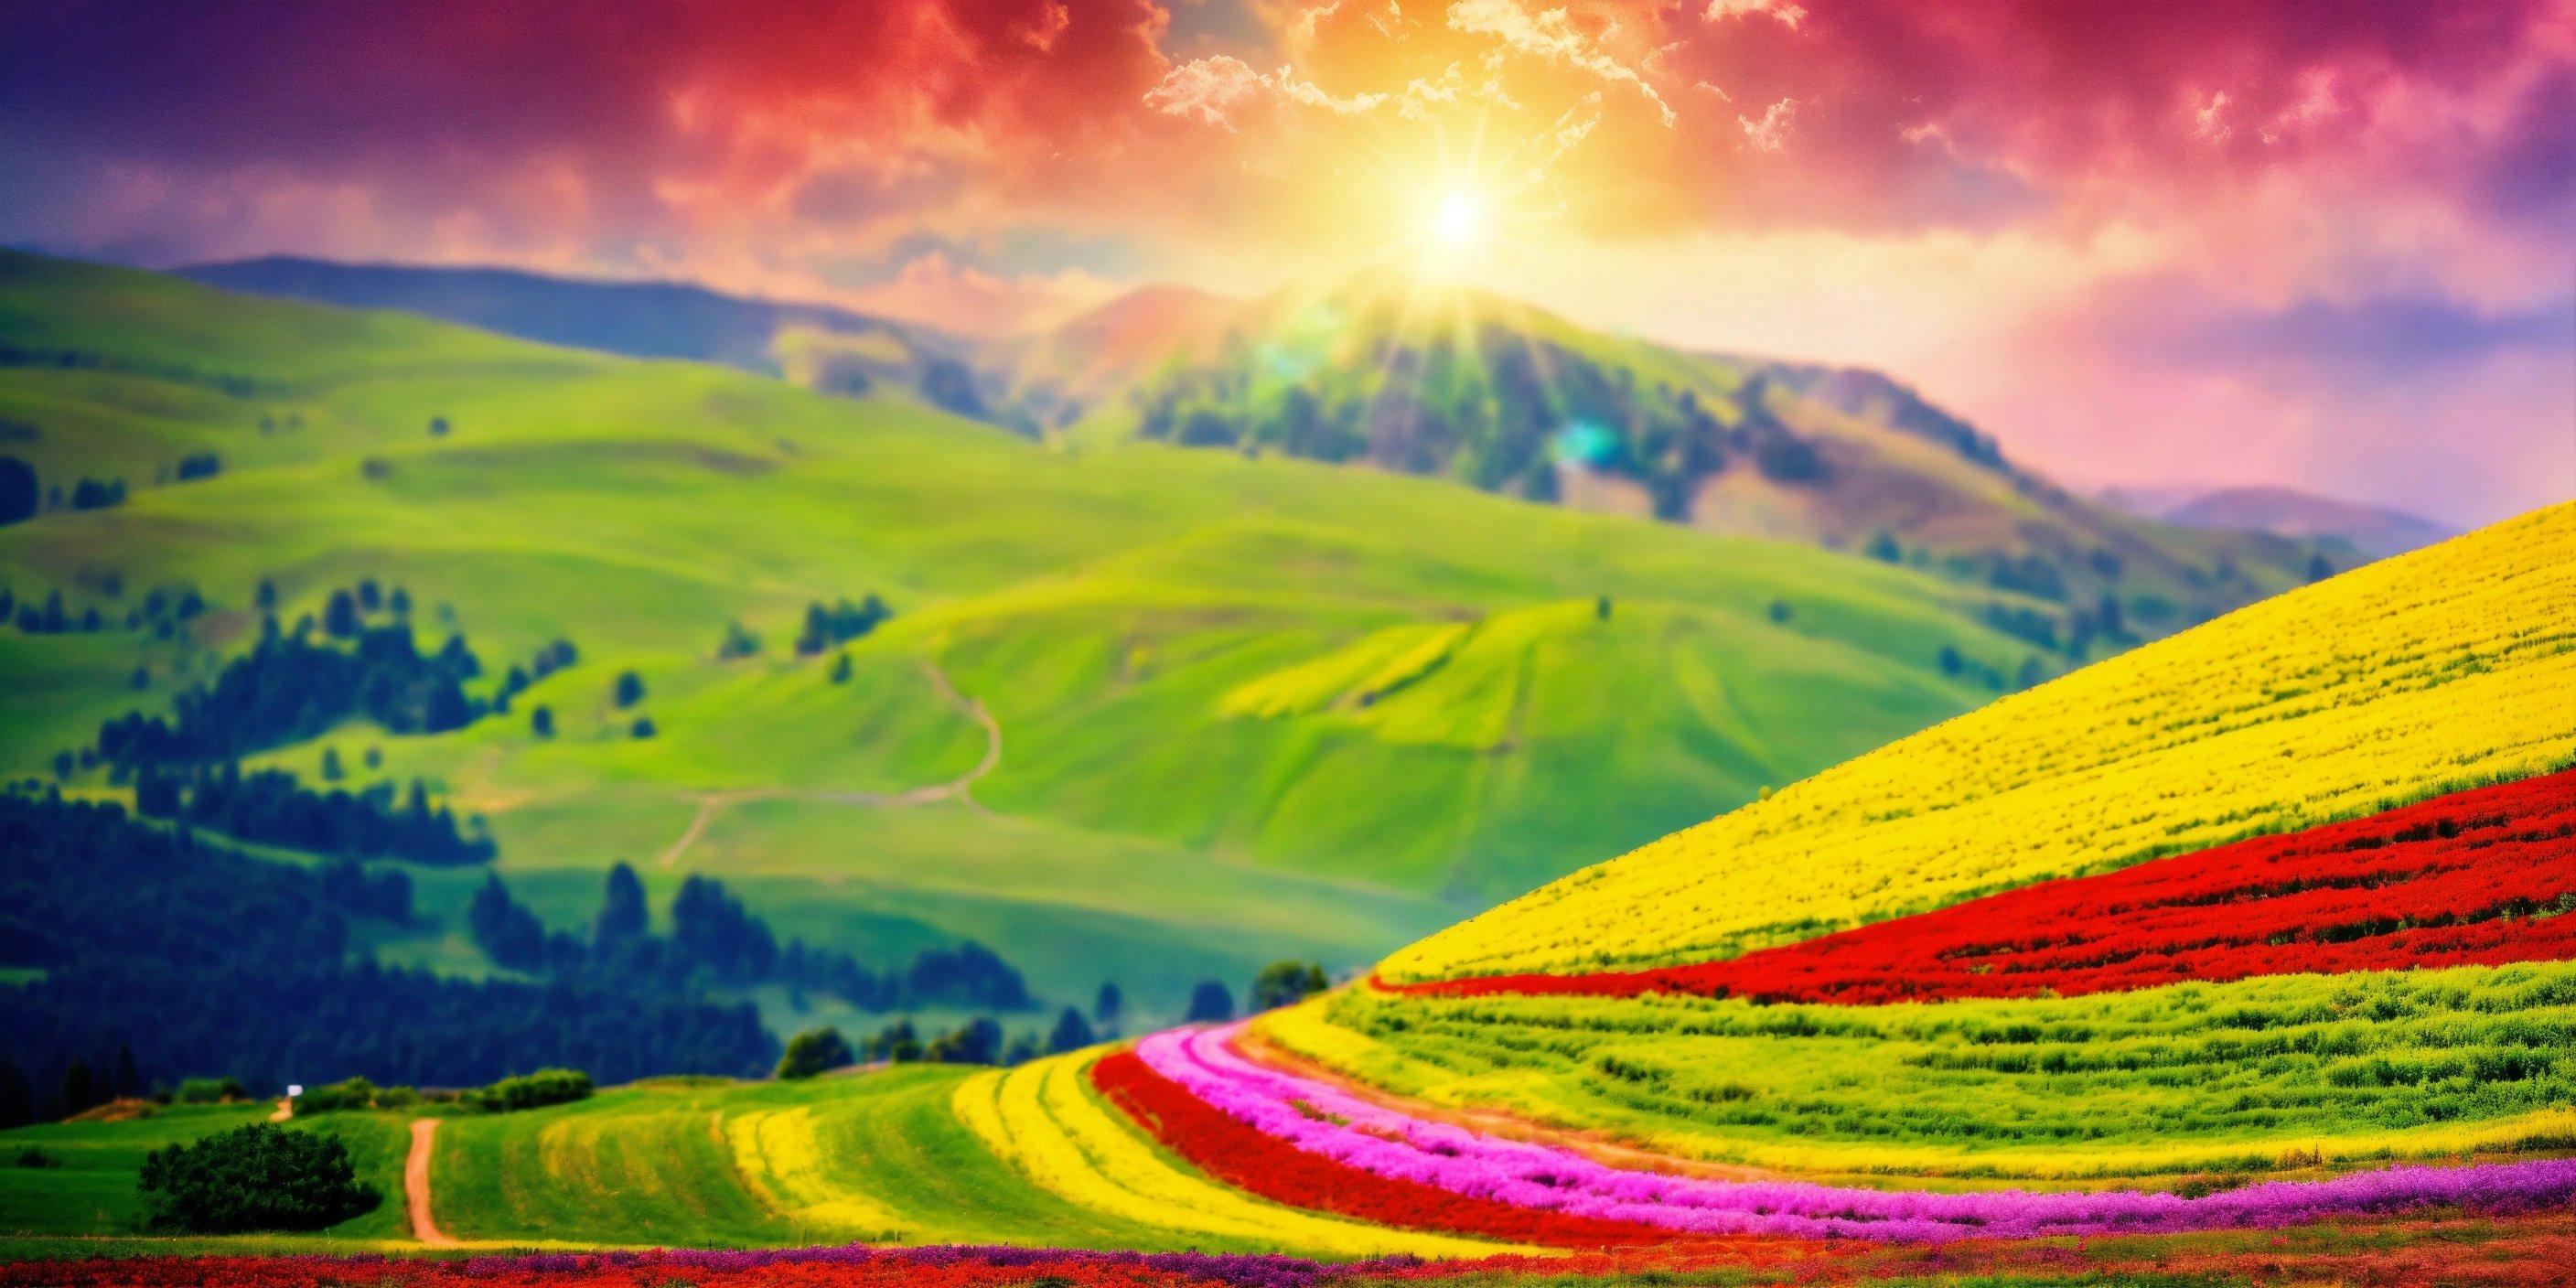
x,y
532,1090
209,1091
1284,983
813,1051
259,1177
352,1093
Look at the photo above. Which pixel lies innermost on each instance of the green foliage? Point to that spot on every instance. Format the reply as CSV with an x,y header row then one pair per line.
x,y
815,1051
209,1091
1210,1003
533,1090
257,1177
2167,1079
1284,983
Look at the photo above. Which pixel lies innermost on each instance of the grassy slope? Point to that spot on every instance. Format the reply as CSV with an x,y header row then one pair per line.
x,y
2439,669
89,1192
1102,607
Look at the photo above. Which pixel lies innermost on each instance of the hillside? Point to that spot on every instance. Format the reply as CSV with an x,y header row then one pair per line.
x,y
2316,1007
1142,715
2374,531
1456,383
817,345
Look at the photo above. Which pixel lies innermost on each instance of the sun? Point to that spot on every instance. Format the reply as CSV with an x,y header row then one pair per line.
x,y
1458,219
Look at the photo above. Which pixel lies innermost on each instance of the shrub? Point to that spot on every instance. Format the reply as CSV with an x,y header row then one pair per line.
x,y
208,1091
351,1093
259,1177
813,1051
533,1090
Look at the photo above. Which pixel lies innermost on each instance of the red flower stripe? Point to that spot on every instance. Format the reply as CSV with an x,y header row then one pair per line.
x,y
2479,877
1249,1160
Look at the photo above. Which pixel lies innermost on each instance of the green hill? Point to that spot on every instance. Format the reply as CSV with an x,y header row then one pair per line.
x,y
1460,384
1237,708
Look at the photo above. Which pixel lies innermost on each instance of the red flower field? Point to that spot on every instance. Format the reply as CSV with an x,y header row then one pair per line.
x,y
2480,877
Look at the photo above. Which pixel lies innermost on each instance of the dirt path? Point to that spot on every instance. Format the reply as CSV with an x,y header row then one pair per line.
x,y
959,788
416,1185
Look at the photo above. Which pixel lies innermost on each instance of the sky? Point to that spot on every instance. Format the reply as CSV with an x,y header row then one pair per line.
x,y
2329,244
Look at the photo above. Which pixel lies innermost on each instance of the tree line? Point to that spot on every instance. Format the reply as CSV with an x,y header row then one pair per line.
x,y
715,941
198,960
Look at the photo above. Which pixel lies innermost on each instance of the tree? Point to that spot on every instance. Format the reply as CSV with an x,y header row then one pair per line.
x,y
622,916
642,728
258,1177
331,771
1601,608
268,594
340,615
1210,1003
78,1090
841,668
1284,983
737,643
978,1041
629,690
815,1050
1110,1005
20,496
1072,1033
17,1095
541,721
1883,547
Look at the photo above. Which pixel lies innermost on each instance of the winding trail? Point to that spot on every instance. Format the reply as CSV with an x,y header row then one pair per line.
x,y
960,788
416,1185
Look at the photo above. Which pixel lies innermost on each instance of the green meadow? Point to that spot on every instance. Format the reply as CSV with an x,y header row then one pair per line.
x,y
1238,708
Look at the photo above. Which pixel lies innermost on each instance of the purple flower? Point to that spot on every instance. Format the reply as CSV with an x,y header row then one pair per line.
x,y
1321,1119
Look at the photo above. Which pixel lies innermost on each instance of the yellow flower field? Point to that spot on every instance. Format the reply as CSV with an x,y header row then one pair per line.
x,y
2445,668
1043,1118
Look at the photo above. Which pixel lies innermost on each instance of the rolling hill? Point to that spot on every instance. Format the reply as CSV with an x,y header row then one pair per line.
x,y
1457,383
817,345
2245,954
1140,714
2374,531
1447,382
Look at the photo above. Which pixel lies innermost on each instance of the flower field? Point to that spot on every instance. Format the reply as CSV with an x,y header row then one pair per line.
x,y
1044,1119
2478,877
2448,668
2471,1252
2245,957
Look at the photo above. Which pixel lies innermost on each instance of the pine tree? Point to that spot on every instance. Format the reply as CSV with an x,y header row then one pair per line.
x,y
622,916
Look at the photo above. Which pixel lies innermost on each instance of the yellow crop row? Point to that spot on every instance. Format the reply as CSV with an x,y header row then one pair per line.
x,y
2448,667
1044,1119
777,1150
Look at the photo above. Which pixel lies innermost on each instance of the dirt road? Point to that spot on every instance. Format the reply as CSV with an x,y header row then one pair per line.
x,y
416,1185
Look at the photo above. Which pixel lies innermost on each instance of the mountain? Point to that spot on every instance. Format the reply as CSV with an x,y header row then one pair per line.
x,y
2374,531
1460,384
815,345
1139,714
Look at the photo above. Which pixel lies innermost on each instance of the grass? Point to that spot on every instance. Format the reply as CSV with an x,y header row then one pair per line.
x,y
87,1191
2243,1076
1103,605
2448,667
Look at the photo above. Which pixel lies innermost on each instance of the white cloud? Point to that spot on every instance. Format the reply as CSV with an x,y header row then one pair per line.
x,y
1552,35
1789,13
1218,90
